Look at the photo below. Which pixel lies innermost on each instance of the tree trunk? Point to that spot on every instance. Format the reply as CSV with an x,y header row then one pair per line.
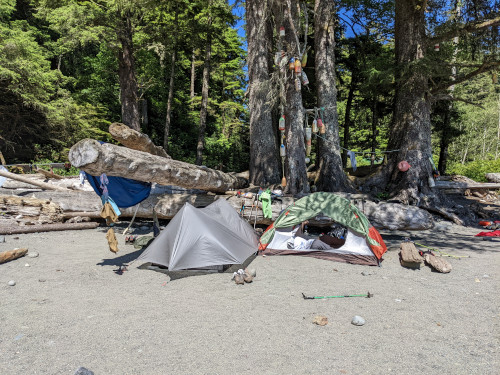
x,y
374,130
445,141
411,128
348,121
193,75
264,160
170,88
200,148
96,159
331,176
126,74
295,160
135,140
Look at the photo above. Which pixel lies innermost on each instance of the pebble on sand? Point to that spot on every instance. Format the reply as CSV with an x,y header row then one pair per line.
x,y
320,320
11,283
33,254
358,321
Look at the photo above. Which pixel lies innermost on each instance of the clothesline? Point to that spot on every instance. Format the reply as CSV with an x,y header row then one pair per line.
x,y
359,152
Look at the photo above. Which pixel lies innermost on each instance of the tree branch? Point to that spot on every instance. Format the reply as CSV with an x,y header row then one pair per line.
x,y
453,99
485,67
463,29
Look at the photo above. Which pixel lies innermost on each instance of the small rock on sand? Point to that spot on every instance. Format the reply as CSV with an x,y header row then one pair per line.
x,y
358,321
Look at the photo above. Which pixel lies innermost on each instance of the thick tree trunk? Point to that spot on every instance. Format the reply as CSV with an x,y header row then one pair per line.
x,y
96,159
170,88
331,176
295,161
200,148
411,129
135,140
264,159
126,74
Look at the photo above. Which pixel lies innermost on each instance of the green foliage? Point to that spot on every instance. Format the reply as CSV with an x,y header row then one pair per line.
x,y
476,170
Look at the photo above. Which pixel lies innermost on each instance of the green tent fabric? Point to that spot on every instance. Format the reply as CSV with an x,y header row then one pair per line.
x,y
265,198
334,206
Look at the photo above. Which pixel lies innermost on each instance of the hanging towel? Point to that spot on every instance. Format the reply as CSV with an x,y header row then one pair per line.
x,y
265,198
352,156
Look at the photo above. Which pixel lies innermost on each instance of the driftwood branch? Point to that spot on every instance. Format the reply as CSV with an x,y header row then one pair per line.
x,y
47,227
96,159
6,256
135,140
43,185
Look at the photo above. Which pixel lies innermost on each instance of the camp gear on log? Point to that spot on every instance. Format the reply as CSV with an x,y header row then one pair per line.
x,y
367,295
6,256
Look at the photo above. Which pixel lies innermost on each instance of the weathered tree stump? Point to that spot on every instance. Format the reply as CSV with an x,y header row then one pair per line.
x,y
409,256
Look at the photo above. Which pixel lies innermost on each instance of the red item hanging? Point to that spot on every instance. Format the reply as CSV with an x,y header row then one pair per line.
x,y
403,166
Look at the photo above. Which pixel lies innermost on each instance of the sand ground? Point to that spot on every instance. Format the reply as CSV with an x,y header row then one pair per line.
x,y
70,308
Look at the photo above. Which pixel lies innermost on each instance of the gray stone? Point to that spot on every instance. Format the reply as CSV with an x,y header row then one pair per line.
x,y
83,371
358,321
33,254
11,283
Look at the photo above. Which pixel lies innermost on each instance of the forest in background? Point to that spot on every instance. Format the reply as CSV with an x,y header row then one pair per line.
x,y
60,81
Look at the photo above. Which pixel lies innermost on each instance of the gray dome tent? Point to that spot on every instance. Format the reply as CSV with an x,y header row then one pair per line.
x,y
202,237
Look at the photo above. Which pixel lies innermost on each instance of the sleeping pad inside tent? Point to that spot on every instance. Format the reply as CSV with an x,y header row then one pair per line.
x,y
202,237
363,243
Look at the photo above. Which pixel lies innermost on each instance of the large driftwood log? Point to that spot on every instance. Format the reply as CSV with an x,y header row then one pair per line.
x,y
493,177
466,185
27,210
43,185
6,256
409,256
135,140
113,160
47,227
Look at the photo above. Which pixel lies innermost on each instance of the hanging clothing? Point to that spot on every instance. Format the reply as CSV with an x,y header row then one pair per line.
x,y
265,198
352,156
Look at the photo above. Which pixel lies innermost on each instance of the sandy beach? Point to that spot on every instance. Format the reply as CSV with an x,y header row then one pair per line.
x,y
70,308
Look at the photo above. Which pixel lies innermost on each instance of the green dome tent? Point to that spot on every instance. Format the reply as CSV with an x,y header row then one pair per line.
x,y
364,245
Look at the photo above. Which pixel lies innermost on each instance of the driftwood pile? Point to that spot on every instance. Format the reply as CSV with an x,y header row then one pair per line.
x,y
175,183
409,257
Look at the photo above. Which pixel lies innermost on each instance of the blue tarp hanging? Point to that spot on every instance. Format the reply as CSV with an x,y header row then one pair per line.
x,y
124,191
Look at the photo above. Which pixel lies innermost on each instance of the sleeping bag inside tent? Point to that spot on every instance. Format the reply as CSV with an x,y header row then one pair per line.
x,y
363,243
202,237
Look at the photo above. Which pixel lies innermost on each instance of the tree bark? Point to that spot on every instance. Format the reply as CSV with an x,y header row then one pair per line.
x,y
295,160
113,160
171,87
200,148
126,73
264,160
331,176
135,140
348,121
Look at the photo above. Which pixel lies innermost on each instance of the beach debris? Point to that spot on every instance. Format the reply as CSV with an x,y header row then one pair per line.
x,y
367,295
26,265
2,239
320,320
358,321
6,256
238,279
437,264
366,273
11,283
252,272
409,256
83,371
33,254
477,280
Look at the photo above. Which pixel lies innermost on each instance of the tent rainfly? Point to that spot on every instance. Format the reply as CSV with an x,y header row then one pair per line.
x,y
202,237
363,245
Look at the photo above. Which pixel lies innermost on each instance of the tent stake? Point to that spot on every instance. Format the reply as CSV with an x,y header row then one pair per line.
x,y
368,295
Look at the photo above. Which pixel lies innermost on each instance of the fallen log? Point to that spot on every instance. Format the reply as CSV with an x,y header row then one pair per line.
x,y
49,174
6,256
46,227
493,177
135,140
43,185
409,256
466,185
96,159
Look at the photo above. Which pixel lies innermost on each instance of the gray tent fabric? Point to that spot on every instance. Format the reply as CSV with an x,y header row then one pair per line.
x,y
202,237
